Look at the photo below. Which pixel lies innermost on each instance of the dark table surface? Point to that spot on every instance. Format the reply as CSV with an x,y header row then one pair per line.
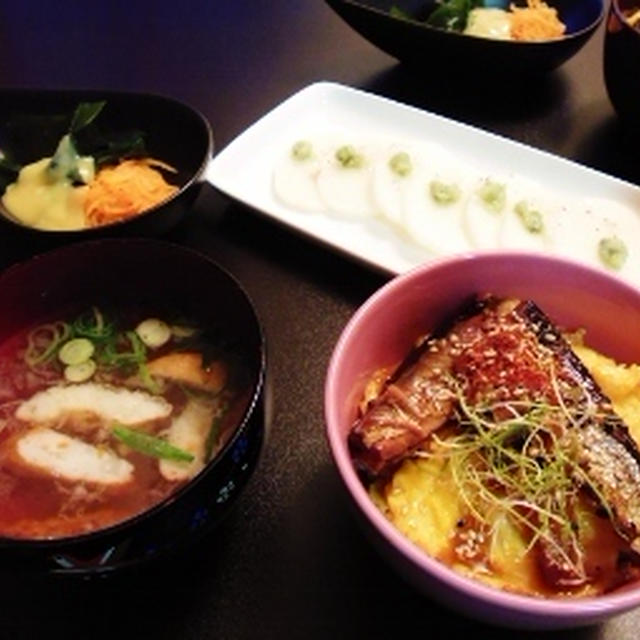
x,y
290,560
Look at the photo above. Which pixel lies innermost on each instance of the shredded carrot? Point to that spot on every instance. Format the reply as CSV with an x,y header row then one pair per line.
x,y
126,190
536,21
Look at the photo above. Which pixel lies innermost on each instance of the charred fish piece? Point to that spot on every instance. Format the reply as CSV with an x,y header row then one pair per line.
x,y
504,351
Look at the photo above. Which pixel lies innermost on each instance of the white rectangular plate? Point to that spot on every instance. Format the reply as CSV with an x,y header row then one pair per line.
x,y
243,170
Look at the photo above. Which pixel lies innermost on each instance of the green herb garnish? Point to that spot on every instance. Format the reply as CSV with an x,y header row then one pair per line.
x,y
150,445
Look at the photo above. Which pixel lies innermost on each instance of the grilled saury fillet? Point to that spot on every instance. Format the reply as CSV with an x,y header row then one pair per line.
x,y
501,353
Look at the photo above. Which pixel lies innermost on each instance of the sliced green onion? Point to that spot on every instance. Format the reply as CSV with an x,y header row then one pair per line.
x,y
153,332
76,351
80,372
150,445
43,342
93,325
112,356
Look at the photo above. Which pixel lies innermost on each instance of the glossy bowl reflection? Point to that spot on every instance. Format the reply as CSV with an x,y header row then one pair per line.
x,y
435,51
382,332
118,272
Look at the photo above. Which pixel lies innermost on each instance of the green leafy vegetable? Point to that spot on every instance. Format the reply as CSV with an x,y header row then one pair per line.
x,y
450,15
85,114
93,325
150,445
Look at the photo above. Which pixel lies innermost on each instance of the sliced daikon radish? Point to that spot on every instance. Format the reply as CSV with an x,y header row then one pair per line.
x,y
62,456
436,201
344,182
189,432
122,405
484,211
394,171
599,232
528,216
295,174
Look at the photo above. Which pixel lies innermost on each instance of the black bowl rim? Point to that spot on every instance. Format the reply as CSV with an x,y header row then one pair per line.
x,y
242,425
106,94
495,42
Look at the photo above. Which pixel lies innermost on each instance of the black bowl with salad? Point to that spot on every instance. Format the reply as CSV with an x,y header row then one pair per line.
x,y
88,163
475,36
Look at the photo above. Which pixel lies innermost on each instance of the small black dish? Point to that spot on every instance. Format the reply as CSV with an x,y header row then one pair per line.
x,y
174,133
120,271
621,55
438,52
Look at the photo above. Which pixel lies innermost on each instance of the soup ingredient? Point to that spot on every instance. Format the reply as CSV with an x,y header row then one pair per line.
x,y
76,351
500,407
80,372
152,446
125,190
114,404
154,332
189,431
187,367
70,458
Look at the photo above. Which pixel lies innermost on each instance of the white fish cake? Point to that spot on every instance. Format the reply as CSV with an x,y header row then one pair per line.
x,y
436,201
296,173
62,456
345,187
189,432
126,406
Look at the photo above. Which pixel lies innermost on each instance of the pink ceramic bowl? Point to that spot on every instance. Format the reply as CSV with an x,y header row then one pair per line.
x,y
382,331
